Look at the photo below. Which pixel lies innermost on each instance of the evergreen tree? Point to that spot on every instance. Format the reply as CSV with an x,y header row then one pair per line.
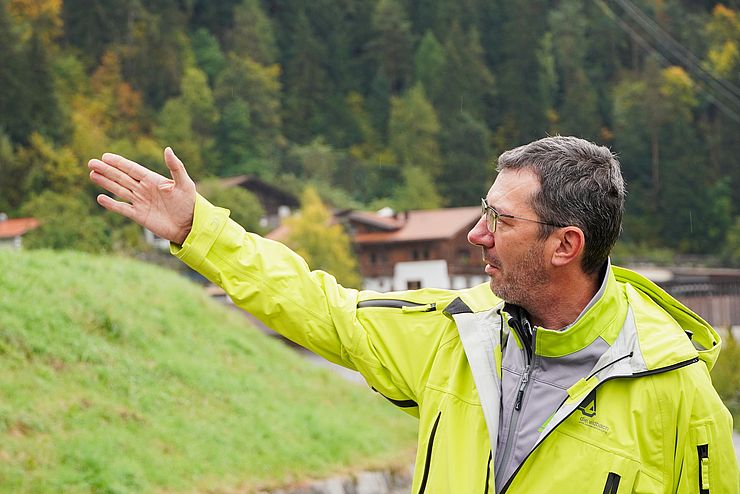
x,y
215,17
12,176
468,84
28,102
175,129
417,191
306,84
392,45
414,131
469,167
519,115
429,66
577,106
259,88
315,161
252,33
154,58
93,26
198,98
378,102
236,150
208,54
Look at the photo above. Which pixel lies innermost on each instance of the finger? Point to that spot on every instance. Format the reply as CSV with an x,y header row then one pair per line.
x,y
176,167
130,168
122,208
111,186
113,174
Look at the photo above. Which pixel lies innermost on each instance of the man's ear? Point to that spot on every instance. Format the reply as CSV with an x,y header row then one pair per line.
x,y
568,244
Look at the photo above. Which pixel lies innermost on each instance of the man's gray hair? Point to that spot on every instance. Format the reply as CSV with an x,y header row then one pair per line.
x,y
580,185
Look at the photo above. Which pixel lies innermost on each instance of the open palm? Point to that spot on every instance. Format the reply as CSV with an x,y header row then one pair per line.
x,y
162,205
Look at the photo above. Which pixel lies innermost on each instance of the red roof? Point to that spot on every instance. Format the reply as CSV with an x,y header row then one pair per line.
x,y
17,226
431,224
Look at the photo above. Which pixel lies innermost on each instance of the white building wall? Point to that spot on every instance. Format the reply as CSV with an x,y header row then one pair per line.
x,y
380,284
460,282
430,274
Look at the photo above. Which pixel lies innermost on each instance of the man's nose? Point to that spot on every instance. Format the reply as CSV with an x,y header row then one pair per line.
x,y
480,235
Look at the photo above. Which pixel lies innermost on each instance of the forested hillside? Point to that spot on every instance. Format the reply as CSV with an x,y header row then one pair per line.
x,y
375,102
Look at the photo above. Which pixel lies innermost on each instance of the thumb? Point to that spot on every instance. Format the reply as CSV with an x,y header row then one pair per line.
x,y
176,167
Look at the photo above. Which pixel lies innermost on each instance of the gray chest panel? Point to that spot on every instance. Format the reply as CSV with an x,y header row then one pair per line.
x,y
549,379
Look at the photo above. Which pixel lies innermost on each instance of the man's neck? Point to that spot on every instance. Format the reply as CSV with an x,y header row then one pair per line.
x,y
561,302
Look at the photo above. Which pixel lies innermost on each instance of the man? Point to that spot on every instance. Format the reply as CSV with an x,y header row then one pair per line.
x,y
587,378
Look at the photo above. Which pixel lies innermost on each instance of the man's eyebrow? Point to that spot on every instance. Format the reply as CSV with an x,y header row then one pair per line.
x,y
499,209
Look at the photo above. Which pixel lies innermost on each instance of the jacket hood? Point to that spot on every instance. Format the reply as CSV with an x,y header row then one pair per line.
x,y
706,341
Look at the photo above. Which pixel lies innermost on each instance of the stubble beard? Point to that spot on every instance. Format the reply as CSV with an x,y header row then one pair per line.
x,y
520,283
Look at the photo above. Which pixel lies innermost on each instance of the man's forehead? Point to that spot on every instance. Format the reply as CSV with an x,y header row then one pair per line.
x,y
513,188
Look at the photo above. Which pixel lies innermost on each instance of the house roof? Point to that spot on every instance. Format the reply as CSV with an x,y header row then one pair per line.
x,y
255,184
431,224
18,226
411,226
376,220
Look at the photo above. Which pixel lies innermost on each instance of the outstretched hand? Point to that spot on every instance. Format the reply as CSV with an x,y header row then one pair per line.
x,y
162,205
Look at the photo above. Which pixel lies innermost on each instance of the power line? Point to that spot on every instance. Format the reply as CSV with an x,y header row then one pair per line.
x,y
647,46
682,53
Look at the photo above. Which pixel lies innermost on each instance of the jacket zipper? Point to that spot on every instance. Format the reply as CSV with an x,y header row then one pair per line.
x,y
430,444
392,303
514,422
639,374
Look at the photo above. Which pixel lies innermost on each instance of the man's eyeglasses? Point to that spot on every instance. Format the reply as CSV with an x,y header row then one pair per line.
x,y
492,217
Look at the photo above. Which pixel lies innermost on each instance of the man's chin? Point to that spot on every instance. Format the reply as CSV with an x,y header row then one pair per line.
x,y
496,289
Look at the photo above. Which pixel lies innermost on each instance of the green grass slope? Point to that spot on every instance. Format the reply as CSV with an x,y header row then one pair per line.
x,y
116,376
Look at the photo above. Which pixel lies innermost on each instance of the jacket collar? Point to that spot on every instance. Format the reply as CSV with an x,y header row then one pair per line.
x,y
603,316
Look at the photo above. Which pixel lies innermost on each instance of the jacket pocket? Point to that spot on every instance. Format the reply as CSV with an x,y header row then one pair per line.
x,y
590,468
700,471
428,460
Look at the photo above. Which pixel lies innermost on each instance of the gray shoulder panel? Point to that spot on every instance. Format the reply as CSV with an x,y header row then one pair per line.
x,y
457,306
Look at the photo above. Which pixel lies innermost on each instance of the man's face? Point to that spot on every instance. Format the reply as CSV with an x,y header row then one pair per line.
x,y
514,254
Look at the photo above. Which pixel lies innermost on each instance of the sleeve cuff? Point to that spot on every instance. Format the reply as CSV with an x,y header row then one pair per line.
x,y
208,222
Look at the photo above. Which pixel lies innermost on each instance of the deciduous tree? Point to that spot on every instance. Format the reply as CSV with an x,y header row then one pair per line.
x,y
323,245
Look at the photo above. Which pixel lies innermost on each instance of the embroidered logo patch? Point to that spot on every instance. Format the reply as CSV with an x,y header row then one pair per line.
x,y
588,407
588,412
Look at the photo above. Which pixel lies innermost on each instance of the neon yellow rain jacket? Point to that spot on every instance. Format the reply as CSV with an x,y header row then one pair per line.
x,y
646,419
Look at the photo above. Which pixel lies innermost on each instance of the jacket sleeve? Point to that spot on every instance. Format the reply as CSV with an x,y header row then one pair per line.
x,y
310,308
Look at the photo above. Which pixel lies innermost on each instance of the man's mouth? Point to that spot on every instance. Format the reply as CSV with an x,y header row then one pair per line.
x,y
491,266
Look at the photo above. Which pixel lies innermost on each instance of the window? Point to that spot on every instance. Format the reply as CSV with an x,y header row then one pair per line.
x,y
413,284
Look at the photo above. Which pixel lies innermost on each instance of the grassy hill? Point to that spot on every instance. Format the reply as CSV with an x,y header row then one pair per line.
x,y
116,376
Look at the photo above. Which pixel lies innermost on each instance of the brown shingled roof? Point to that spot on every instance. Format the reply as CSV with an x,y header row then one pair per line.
x,y
17,226
432,224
